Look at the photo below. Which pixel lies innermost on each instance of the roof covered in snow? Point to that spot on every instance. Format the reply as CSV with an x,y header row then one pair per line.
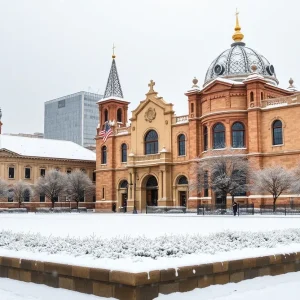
x,y
45,148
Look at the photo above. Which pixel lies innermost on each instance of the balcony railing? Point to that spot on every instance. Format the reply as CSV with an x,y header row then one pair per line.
x,y
180,119
150,159
280,101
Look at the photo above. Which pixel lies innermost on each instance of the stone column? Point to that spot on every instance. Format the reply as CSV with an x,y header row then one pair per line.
x,y
164,185
160,185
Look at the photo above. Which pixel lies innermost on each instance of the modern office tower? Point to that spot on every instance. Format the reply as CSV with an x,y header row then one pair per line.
x,y
72,118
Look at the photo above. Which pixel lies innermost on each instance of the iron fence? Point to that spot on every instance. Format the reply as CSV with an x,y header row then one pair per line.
x,y
166,209
279,209
223,209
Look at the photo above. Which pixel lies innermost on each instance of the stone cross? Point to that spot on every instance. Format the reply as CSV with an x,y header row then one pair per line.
x,y
151,85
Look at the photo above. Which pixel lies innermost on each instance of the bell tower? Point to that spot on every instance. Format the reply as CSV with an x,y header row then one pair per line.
x,y
113,108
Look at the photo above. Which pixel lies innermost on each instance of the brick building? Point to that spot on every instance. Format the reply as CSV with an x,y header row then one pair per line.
x,y
26,159
239,107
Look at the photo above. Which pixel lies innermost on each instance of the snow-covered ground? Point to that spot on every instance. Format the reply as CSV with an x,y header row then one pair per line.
x,y
144,242
276,288
111,225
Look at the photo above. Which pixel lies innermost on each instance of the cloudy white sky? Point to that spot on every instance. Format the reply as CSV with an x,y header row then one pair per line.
x,y
52,48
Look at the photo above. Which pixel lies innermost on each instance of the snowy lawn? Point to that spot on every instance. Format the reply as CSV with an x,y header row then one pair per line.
x,y
144,242
276,288
17,290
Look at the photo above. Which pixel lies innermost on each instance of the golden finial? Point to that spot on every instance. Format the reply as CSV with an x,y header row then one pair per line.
x,y
113,48
237,36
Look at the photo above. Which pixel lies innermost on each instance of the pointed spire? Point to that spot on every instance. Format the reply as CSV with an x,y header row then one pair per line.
x,y
237,36
113,86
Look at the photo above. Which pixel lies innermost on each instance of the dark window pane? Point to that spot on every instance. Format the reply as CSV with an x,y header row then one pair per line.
x,y
151,142
181,144
152,182
11,172
103,155
182,180
205,138
238,135
27,173
219,136
119,115
26,196
124,153
42,198
43,172
277,133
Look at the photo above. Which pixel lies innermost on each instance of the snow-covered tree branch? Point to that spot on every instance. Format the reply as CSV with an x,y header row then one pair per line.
x,y
21,191
79,186
224,174
52,185
273,180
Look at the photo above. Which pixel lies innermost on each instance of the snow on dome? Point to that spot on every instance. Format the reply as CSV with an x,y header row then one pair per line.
x,y
45,148
235,63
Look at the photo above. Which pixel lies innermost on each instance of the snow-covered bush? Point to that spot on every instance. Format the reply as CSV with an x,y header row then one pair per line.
x,y
44,210
17,210
61,210
141,246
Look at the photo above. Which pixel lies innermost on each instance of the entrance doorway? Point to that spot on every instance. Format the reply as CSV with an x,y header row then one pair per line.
x,y
182,198
123,194
151,191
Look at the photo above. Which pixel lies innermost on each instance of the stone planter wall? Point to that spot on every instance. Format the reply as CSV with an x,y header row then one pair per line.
x,y
145,286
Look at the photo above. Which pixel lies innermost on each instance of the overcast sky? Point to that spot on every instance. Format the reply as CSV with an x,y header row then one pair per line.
x,y
52,48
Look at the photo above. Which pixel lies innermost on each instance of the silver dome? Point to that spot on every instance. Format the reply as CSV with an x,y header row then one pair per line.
x,y
235,63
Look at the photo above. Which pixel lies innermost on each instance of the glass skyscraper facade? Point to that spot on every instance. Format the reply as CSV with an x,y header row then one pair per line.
x,y
72,118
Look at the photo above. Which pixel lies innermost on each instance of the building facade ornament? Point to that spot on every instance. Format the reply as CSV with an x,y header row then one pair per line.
x,y
150,114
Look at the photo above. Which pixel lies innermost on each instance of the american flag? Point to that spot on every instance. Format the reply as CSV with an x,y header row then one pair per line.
x,y
106,132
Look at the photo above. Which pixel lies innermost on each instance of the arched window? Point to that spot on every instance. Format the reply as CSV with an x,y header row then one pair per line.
x,y
219,136
103,155
123,184
151,182
251,96
181,144
182,180
238,135
277,133
124,153
105,115
205,138
151,142
119,115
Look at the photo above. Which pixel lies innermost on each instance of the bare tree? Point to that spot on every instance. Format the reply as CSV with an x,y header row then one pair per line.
x,y
3,188
296,180
21,191
52,185
225,174
79,185
273,180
